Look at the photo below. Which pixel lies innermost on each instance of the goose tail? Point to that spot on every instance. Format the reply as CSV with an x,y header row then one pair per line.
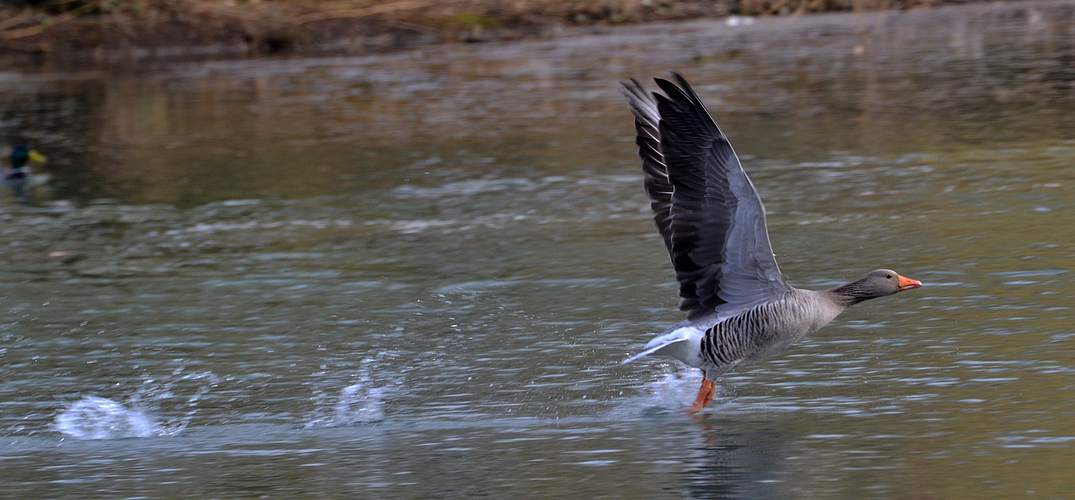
x,y
682,343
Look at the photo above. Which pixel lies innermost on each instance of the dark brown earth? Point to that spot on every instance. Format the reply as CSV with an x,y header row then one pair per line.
x,y
122,31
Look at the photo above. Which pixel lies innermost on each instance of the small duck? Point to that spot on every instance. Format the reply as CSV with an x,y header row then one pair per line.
x,y
19,179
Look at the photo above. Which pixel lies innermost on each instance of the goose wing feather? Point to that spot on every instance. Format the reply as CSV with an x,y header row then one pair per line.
x,y
705,207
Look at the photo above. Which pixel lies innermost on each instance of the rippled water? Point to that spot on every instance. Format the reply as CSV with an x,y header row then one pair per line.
x,y
416,275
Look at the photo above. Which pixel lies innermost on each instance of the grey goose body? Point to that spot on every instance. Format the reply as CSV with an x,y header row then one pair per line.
x,y
739,308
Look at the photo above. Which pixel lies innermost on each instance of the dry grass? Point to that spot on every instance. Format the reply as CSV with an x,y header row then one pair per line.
x,y
270,25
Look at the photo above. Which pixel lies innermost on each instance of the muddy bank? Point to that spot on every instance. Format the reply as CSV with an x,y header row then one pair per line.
x,y
121,31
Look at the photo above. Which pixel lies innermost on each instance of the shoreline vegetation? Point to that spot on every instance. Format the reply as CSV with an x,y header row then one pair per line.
x,y
120,31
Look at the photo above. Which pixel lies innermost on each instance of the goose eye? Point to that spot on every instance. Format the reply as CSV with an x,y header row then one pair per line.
x,y
888,276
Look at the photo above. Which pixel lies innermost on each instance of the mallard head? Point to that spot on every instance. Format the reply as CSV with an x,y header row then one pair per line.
x,y
21,155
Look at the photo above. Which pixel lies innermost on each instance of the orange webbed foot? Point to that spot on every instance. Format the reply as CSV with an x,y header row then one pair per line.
x,y
705,395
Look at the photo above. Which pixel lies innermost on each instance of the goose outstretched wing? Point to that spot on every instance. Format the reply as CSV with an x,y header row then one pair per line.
x,y
705,207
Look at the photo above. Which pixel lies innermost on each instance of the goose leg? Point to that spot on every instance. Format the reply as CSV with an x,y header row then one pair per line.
x,y
705,395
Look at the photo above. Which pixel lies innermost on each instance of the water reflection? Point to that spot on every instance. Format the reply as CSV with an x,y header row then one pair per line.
x,y
747,464
192,133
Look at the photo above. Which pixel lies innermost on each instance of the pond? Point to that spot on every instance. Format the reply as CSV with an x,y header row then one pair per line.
x,y
416,275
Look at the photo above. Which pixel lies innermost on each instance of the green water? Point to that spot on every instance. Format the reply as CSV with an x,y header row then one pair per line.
x,y
415,275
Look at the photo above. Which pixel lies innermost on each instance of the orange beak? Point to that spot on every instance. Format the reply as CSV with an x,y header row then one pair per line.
x,y
908,283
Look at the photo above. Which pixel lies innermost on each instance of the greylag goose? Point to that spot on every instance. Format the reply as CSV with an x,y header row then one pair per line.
x,y
739,308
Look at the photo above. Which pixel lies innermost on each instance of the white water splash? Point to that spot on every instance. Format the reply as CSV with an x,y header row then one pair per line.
x,y
99,418
674,389
671,392
359,403
362,402
177,395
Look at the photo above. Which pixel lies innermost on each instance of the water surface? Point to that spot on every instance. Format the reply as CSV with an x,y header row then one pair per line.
x,y
415,275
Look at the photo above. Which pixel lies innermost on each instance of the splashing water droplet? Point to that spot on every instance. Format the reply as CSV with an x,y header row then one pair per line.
x,y
99,418
359,403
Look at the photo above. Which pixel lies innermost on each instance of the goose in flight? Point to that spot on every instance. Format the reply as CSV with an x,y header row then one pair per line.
x,y
739,308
